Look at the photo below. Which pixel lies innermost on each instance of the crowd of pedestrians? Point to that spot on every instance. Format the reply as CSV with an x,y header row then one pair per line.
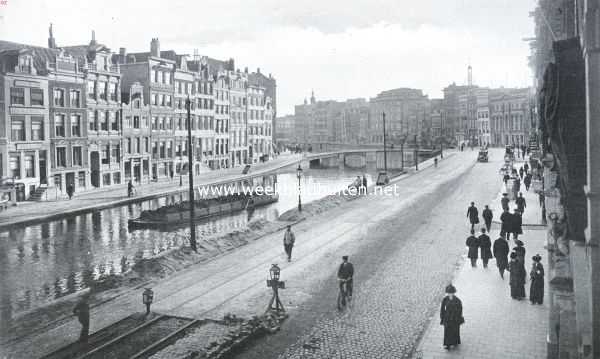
x,y
481,247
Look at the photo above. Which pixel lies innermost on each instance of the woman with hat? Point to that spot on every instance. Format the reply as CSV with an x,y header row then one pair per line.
x,y
451,317
536,290
517,277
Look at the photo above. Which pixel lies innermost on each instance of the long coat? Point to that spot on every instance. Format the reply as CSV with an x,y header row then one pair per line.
x,y
451,317
487,215
536,290
501,250
485,244
504,202
517,223
473,244
473,214
507,223
517,279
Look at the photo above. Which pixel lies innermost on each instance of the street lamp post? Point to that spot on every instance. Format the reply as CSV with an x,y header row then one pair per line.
x,y
384,145
299,175
188,106
416,154
275,284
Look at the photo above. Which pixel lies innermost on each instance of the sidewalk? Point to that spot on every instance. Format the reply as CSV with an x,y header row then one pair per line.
x,y
496,326
33,212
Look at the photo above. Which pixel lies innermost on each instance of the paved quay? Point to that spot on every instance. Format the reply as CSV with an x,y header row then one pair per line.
x,y
496,326
34,212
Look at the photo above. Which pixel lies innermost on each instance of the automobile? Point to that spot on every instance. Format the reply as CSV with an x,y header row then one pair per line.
x,y
382,179
482,156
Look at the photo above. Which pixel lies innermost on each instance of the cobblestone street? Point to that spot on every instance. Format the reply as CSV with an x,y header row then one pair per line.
x,y
405,263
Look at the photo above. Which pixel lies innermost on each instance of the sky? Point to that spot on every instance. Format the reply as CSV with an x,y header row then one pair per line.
x,y
338,48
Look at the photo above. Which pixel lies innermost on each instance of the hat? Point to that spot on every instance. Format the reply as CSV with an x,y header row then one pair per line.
x,y
536,258
513,255
345,258
450,289
519,243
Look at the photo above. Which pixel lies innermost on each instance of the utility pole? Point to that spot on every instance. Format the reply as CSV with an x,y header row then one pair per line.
x,y
188,106
416,154
384,146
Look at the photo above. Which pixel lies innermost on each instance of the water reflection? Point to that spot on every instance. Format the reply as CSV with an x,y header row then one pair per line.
x,y
43,262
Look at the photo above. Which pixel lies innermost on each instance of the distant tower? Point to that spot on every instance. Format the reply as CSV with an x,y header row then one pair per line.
x,y
93,42
312,97
51,40
470,76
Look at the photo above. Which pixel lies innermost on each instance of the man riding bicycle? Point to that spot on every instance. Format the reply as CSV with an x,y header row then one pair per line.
x,y
345,273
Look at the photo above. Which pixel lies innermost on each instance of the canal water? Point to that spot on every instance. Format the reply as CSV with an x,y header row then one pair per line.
x,y
43,262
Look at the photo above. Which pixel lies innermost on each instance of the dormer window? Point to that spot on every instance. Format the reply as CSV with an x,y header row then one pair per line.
x,y
25,63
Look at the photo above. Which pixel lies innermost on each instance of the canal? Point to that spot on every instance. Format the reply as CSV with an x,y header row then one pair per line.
x,y
40,263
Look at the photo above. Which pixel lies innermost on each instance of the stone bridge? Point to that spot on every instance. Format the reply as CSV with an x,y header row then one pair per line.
x,y
360,158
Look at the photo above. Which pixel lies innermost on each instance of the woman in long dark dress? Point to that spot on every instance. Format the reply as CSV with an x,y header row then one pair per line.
x,y
536,290
451,317
517,277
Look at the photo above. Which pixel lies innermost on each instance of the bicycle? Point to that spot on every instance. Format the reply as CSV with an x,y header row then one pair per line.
x,y
343,296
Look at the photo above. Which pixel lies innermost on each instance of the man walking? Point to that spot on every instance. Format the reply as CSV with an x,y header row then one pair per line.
x,y
82,311
473,215
506,227
473,244
288,242
485,244
501,250
521,204
487,217
517,223
504,201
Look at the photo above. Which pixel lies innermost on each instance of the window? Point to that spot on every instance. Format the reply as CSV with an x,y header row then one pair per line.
x,y
113,92
17,128
136,121
74,98
37,97
154,123
106,154
81,179
153,76
93,120
102,90
115,154
161,100
106,179
59,125
114,121
75,126
155,99
59,97
147,144
14,164
117,178
137,103
17,96
168,100
77,157
103,120
61,157
138,145
37,128
28,164
91,89
128,149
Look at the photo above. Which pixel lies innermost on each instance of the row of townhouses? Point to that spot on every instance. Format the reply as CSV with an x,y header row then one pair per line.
x,y
87,117
466,114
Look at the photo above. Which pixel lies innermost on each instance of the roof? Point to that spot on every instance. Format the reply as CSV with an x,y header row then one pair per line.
x,y
41,55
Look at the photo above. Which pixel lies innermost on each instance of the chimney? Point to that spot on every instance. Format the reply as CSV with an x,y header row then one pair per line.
x,y
246,69
258,70
155,47
93,41
122,51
